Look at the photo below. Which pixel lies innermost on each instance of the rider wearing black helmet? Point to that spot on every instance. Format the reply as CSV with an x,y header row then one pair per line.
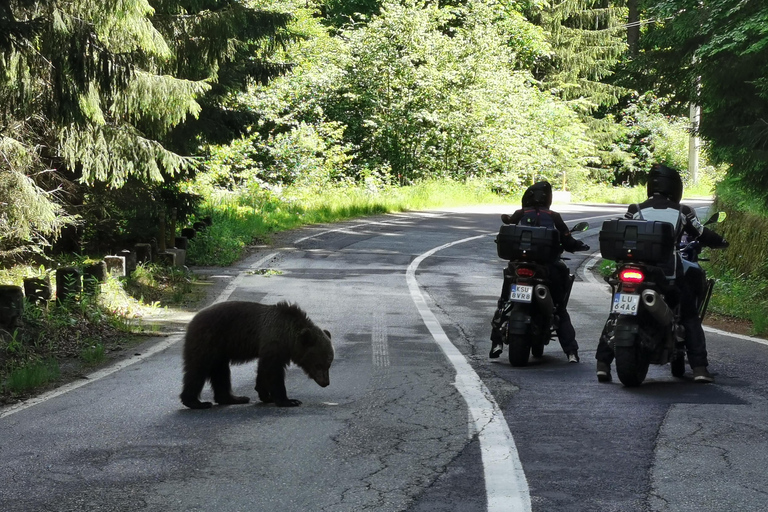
x,y
665,190
535,212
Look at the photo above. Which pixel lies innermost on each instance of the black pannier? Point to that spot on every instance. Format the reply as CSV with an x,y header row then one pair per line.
x,y
649,241
532,243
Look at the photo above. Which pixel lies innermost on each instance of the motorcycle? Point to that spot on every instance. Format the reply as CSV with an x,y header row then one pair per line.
x,y
529,318
642,328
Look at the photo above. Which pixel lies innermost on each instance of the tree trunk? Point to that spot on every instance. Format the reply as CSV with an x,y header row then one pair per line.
x,y
633,27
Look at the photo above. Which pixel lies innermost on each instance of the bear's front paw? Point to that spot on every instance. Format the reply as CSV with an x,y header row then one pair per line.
x,y
289,402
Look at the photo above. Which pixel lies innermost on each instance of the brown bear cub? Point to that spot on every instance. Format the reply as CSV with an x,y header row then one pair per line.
x,y
238,332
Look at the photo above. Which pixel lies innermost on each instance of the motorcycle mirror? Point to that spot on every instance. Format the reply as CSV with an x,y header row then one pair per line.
x,y
717,217
581,226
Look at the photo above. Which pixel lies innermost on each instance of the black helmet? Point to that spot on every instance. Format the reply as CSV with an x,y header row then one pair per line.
x,y
665,181
538,194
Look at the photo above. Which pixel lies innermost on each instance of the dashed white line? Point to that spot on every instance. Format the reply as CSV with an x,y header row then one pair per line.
x,y
379,341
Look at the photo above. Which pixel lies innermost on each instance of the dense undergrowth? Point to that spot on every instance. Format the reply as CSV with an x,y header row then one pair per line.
x,y
59,341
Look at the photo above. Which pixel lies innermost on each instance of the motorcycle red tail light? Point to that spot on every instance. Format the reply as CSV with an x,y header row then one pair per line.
x,y
525,272
631,275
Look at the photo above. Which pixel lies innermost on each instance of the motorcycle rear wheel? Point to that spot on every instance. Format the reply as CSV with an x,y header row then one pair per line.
x,y
631,366
537,350
519,352
678,366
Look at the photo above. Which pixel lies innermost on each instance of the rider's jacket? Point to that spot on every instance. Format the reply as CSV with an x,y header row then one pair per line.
x,y
682,216
661,208
539,216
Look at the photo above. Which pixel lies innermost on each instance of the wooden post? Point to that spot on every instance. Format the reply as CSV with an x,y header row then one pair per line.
x,y
11,306
93,276
143,253
38,289
130,260
116,265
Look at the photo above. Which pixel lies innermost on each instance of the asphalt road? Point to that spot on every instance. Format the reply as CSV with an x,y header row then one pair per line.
x,y
417,417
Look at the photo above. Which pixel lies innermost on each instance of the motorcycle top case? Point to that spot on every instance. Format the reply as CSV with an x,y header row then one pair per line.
x,y
534,243
649,241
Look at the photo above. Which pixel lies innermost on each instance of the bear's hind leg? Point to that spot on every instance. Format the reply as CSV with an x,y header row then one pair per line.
x,y
222,386
262,388
193,386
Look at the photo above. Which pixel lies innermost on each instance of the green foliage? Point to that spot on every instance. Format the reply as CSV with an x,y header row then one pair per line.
x,y
229,44
29,216
93,95
92,354
715,54
606,193
154,283
748,253
742,268
32,375
742,297
643,134
240,219
416,92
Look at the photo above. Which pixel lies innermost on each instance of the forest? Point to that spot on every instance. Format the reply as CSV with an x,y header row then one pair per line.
x,y
114,114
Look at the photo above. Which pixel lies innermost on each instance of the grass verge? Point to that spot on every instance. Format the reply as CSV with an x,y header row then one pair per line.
x,y
240,220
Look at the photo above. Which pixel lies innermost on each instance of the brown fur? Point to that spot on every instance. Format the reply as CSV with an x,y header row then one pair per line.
x,y
238,332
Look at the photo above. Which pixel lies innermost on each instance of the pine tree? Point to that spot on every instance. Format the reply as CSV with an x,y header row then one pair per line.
x,y
588,39
229,44
90,93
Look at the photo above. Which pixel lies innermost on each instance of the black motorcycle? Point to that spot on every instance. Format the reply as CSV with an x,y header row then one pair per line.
x,y
529,318
642,328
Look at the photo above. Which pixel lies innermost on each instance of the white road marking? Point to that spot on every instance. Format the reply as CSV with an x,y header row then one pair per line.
x,y
586,270
399,218
505,484
232,286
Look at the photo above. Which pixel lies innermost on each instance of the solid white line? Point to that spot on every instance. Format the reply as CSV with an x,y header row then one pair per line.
x,y
505,484
105,372
586,270
734,335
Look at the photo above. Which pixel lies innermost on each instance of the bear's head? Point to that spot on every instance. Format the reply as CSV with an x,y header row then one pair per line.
x,y
316,354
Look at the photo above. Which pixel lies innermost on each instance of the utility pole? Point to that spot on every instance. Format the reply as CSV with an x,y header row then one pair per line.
x,y
693,144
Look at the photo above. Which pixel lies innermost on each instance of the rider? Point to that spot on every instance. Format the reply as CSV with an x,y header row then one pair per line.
x,y
665,190
535,212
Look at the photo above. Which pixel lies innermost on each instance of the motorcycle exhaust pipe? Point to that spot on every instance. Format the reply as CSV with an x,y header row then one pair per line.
x,y
657,307
544,299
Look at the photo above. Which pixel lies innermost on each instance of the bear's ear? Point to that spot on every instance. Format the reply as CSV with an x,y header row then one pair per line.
x,y
327,333
306,338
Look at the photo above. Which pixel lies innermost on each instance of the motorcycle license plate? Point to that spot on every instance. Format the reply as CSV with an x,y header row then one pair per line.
x,y
625,303
521,293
